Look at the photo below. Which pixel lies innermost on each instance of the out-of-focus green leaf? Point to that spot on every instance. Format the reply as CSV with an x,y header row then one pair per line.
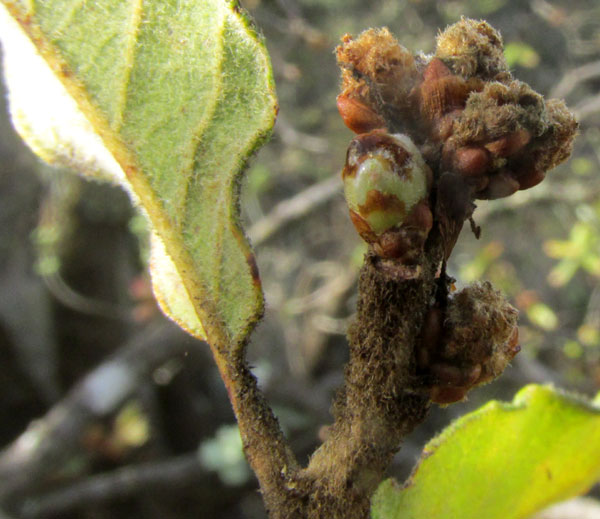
x,y
476,268
132,427
572,349
503,461
225,455
543,316
582,166
563,272
561,249
486,7
591,263
589,335
579,251
522,54
169,98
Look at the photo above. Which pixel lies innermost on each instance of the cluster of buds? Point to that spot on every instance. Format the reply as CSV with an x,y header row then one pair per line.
x,y
467,344
461,116
436,133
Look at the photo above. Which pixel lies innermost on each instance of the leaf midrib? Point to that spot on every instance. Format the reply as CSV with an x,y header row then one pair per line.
x,y
204,308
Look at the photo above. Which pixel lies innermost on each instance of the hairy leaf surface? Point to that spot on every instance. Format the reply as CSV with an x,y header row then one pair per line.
x,y
170,98
503,461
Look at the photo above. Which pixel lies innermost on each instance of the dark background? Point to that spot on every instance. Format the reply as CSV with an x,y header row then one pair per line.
x,y
76,312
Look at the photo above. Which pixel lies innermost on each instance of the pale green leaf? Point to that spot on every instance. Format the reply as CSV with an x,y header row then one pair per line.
x,y
589,335
563,272
543,316
225,454
503,461
169,98
519,53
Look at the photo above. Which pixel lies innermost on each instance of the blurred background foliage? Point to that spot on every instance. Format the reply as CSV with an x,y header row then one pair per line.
x,y
75,292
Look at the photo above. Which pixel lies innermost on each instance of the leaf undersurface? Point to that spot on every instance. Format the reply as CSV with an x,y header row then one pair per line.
x,y
170,98
503,461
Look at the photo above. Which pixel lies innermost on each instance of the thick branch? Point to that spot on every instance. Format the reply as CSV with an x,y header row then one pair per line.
x,y
382,400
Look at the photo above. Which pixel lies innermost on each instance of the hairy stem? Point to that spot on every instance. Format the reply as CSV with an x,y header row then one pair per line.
x,y
382,399
266,448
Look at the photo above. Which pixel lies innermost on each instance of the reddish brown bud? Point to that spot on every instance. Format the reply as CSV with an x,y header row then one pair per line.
x,y
406,241
529,177
475,84
440,91
442,126
447,395
473,376
480,339
358,116
479,183
435,70
420,218
513,342
446,374
471,161
501,184
473,47
392,244
509,144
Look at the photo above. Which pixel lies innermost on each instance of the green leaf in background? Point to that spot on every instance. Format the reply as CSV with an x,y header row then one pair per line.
x,y
170,98
519,53
503,461
579,251
543,316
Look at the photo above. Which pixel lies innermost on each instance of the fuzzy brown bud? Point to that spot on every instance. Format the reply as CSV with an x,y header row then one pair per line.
x,y
469,344
472,48
375,59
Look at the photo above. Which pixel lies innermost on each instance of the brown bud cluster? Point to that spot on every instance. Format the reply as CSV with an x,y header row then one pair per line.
x,y
490,134
468,344
437,133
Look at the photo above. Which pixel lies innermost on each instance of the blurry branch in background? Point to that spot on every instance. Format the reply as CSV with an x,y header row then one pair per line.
x,y
48,444
587,107
320,307
534,371
571,80
292,137
78,302
293,23
545,10
574,78
121,483
294,208
574,24
546,192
